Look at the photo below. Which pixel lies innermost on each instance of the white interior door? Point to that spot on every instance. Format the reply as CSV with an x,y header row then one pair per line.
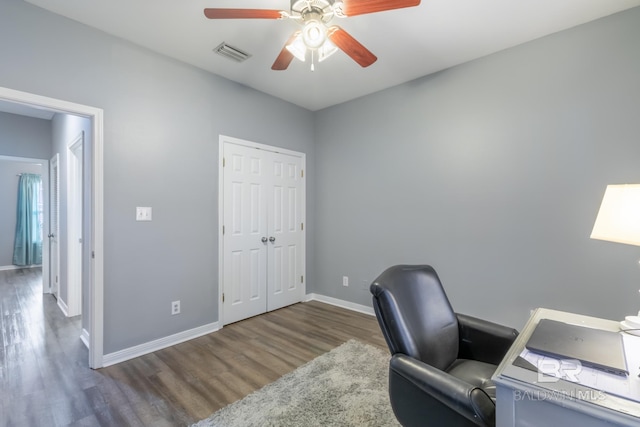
x,y
245,228
263,240
74,225
54,226
284,254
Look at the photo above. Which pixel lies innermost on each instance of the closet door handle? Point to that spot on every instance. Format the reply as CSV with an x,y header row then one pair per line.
x,y
272,239
264,240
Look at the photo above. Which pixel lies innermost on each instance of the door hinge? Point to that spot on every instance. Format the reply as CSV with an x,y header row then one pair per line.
x,y
223,229
93,254
302,226
223,297
224,162
301,279
301,173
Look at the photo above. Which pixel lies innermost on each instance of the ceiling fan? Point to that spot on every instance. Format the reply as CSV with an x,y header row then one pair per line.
x,y
316,36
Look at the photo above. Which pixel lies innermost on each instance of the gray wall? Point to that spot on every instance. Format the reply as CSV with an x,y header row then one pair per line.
x,y
22,136
9,170
492,172
162,122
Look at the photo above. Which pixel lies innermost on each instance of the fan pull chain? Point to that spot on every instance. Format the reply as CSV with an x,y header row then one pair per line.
x,y
313,68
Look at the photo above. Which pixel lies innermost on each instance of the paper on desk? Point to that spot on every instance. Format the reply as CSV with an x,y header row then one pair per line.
x,y
568,370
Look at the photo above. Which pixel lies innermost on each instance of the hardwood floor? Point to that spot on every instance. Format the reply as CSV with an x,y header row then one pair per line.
x,y
45,379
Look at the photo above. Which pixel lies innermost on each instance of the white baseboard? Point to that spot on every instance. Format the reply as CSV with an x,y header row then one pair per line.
x,y
84,337
63,307
18,267
341,303
159,344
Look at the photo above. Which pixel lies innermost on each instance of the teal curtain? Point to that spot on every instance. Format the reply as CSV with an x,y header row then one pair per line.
x,y
27,248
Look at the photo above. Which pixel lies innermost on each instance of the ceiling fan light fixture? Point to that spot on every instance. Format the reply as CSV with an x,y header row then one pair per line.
x,y
314,34
326,50
338,9
298,48
314,16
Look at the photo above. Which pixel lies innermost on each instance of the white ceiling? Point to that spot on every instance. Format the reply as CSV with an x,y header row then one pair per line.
x,y
409,43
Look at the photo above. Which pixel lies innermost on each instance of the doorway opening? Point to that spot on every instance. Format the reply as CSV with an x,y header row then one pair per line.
x,y
92,257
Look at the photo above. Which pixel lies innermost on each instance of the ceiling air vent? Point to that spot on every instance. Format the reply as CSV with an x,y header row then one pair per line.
x,y
231,52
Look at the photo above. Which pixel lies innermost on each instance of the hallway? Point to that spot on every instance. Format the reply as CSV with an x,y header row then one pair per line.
x,y
43,361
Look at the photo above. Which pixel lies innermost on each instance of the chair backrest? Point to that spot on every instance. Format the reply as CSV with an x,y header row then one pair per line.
x,y
415,315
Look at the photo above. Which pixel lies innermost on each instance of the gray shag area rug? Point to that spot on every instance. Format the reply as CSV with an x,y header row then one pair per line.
x,y
347,386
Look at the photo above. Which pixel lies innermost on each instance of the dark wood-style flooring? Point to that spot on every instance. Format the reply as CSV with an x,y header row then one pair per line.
x,y
45,379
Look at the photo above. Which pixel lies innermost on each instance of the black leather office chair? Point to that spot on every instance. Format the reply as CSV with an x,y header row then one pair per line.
x,y
442,362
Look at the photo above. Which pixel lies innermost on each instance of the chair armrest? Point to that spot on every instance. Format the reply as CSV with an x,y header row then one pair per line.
x,y
420,392
483,340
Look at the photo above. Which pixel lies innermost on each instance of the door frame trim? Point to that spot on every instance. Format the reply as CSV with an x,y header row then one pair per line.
x,y
222,139
95,316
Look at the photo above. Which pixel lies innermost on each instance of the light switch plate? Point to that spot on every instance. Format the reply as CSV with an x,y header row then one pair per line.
x,y
143,213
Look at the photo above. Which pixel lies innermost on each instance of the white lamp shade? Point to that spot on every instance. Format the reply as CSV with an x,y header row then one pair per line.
x,y
297,47
326,50
618,219
314,34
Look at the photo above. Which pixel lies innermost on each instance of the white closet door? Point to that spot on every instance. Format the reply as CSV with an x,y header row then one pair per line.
x,y
245,225
263,240
285,252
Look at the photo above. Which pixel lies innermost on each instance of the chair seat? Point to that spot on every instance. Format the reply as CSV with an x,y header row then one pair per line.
x,y
442,361
476,373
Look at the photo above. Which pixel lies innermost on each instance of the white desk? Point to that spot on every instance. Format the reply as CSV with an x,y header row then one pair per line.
x,y
522,400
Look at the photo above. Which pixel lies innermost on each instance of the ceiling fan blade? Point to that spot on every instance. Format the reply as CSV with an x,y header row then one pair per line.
x,y
360,7
242,14
285,57
351,46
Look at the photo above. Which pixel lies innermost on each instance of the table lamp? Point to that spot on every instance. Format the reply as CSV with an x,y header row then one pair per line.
x,y
618,221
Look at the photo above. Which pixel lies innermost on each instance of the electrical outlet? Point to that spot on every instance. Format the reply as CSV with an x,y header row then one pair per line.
x,y
345,280
175,307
